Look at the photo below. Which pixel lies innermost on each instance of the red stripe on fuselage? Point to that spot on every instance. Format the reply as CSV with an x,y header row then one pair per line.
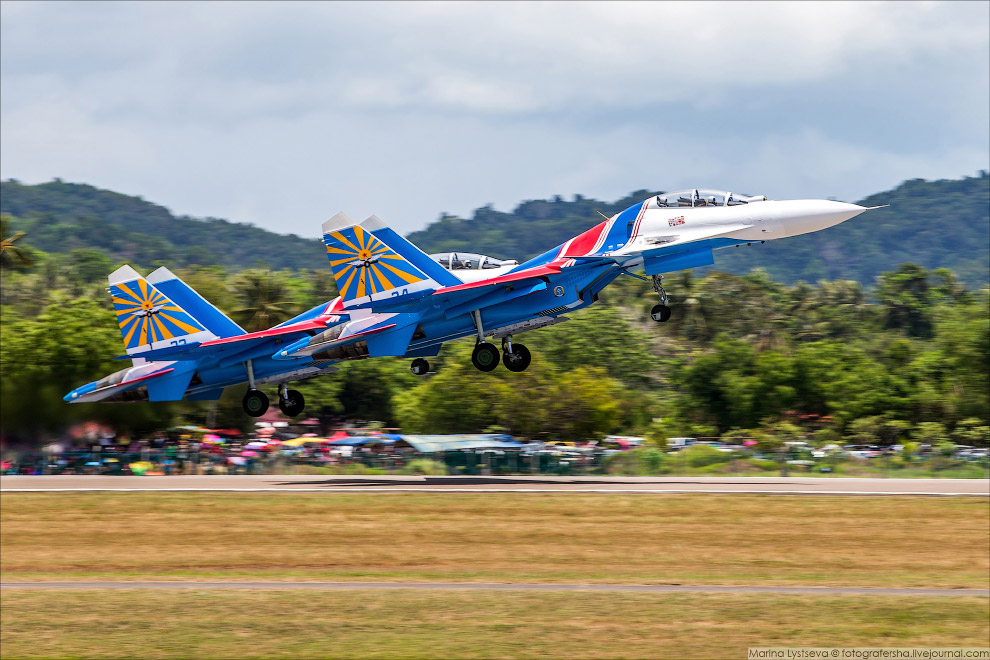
x,y
584,244
639,220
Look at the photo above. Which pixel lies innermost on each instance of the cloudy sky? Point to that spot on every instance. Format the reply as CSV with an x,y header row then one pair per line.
x,y
282,114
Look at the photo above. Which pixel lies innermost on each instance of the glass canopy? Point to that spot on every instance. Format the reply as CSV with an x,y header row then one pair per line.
x,y
701,197
470,261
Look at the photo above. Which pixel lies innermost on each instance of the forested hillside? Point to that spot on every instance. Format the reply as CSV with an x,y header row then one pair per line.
x,y
60,217
932,223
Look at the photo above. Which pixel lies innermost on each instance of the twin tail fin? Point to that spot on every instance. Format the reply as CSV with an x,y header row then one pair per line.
x,y
148,319
372,264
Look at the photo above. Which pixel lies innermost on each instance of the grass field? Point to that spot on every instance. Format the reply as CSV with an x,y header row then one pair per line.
x,y
594,538
458,625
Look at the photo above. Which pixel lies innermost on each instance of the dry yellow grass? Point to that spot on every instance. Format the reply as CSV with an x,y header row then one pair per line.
x,y
622,538
456,625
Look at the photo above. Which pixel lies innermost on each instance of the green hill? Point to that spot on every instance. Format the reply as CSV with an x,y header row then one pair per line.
x,y
933,223
59,217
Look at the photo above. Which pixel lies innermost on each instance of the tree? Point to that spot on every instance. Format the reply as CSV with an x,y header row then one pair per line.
x,y
905,297
11,255
264,299
89,266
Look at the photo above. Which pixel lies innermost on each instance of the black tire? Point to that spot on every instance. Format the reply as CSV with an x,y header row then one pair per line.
x,y
420,367
293,404
660,313
255,403
518,359
485,357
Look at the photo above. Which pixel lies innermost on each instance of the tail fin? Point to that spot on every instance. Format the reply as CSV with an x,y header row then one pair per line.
x,y
184,296
148,319
372,263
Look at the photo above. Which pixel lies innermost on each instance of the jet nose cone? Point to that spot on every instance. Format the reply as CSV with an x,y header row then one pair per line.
x,y
821,213
836,212
808,215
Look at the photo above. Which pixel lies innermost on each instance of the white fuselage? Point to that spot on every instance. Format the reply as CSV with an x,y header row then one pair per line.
x,y
760,221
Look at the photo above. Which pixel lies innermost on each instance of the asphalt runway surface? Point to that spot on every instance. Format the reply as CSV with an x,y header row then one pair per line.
x,y
519,484
475,586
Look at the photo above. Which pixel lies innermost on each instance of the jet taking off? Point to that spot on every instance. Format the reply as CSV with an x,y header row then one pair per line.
x,y
397,301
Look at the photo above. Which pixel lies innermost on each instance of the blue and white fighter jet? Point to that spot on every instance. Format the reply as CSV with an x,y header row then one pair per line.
x,y
398,301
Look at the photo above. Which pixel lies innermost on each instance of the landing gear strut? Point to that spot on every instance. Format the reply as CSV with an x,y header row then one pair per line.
x,y
660,312
515,356
255,403
290,402
485,355
420,367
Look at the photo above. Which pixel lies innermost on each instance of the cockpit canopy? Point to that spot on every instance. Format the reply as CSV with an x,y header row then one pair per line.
x,y
470,261
698,197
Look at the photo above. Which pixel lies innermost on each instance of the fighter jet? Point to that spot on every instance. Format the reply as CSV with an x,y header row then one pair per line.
x,y
397,301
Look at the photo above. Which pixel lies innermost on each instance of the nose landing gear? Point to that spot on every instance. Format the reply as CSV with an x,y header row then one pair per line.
x,y
660,312
420,367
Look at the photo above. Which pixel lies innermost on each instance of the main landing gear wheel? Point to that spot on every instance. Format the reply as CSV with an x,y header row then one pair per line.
x,y
518,359
660,313
255,403
292,404
485,357
419,367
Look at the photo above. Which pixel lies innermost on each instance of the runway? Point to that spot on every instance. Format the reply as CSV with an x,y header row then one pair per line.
x,y
472,586
480,484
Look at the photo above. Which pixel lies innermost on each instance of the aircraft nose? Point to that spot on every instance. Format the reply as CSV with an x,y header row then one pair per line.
x,y
832,213
808,215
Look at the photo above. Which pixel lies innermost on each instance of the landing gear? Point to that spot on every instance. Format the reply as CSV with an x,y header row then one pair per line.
x,y
485,356
255,403
515,356
292,403
420,367
661,312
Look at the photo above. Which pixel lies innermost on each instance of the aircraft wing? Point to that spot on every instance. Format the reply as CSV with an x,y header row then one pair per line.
x,y
525,281
225,345
322,342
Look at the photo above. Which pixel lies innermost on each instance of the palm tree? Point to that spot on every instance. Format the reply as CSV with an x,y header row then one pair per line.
x,y
265,299
10,254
